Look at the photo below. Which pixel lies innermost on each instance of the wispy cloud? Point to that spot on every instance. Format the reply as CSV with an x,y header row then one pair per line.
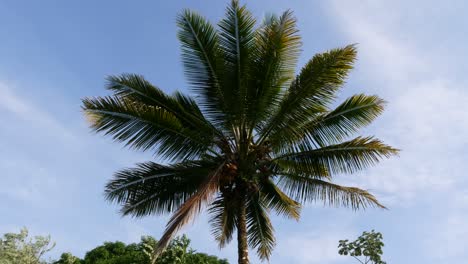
x,y
312,249
26,181
34,117
424,116
30,134
317,243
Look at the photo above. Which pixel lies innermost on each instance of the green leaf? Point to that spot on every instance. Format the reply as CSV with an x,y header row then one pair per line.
x,y
346,157
236,36
152,188
354,113
259,228
310,93
307,189
145,127
203,63
279,201
277,48
136,88
223,219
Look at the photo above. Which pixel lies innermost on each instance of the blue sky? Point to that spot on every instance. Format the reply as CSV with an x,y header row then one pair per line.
x,y
53,169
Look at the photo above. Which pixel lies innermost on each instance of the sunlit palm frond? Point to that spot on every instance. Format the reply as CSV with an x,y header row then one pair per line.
x,y
277,47
354,113
310,93
136,88
307,189
145,127
346,157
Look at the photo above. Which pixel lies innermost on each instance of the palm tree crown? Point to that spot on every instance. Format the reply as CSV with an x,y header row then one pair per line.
x,y
257,137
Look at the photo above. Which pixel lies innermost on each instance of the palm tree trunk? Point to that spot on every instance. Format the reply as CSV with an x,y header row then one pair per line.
x,y
242,248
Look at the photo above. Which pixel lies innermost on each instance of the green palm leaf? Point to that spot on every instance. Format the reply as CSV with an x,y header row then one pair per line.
x,y
152,188
347,157
307,189
137,89
280,202
236,37
223,212
191,207
277,47
310,93
145,127
259,228
202,63
354,113
255,137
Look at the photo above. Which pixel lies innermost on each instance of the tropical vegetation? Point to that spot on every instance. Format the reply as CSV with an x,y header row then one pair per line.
x,y
21,248
178,252
366,249
253,136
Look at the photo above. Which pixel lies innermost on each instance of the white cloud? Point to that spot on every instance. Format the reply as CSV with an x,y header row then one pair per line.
x,y
32,136
314,247
35,118
447,236
27,181
367,25
451,238
425,116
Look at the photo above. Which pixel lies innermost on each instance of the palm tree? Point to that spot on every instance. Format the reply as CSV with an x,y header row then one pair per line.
x,y
254,138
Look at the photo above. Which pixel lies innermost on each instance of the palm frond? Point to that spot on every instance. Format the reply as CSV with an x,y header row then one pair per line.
x,y
203,63
307,189
260,231
346,157
223,219
145,127
136,88
310,93
276,51
236,37
279,201
190,208
318,171
354,113
151,188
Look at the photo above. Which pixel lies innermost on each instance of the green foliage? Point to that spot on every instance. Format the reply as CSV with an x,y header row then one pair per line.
x,y
20,248
116,253
253,137
68,258
178,252
202,258
366,249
